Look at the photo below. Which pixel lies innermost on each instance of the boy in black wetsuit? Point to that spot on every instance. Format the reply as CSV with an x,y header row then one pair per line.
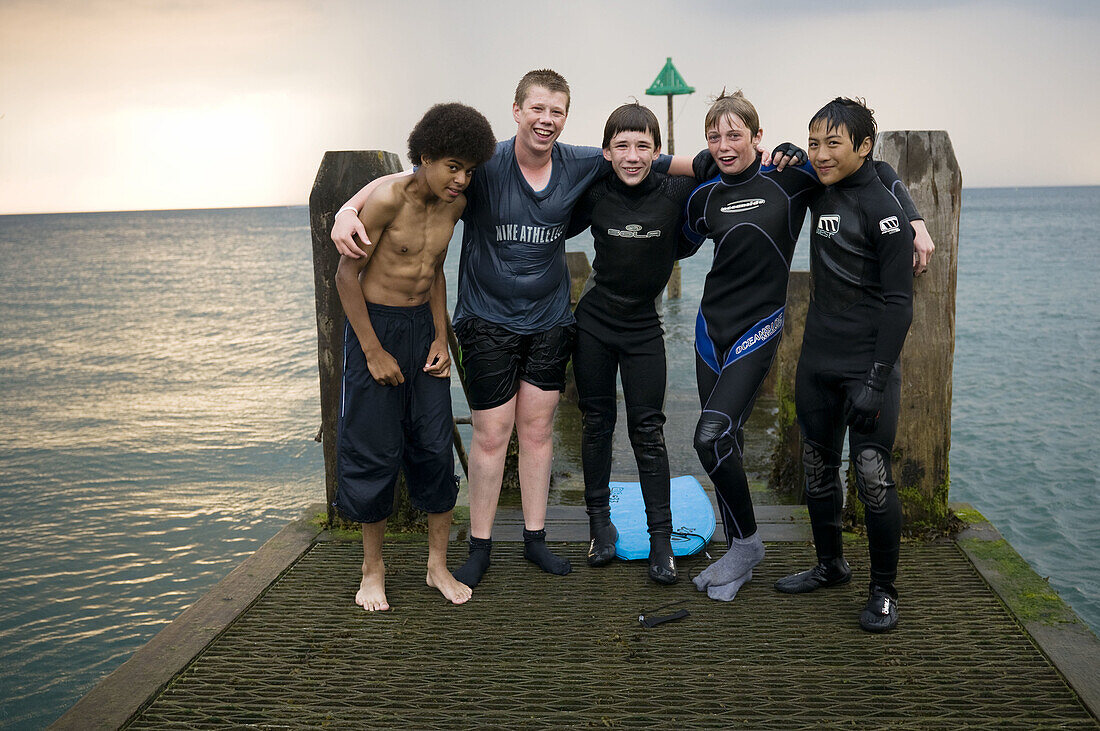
x,y
635,216
848,375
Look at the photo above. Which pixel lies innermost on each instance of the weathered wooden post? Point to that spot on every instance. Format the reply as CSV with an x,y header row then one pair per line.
x,y
786,474
670,83
925,161
579,271
340,176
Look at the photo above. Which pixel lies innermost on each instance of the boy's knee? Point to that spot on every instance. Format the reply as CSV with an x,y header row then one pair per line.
x,y
873,481
648,441
822,470
492,435
534,437
598,424
711,433
536,425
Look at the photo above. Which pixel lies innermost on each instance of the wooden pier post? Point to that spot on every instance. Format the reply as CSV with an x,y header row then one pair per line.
x,y
786,474
339,177
926,163
579,271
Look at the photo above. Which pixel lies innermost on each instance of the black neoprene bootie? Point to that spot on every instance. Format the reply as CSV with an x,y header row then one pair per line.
x,y
881,612
827,573
662,562
601,546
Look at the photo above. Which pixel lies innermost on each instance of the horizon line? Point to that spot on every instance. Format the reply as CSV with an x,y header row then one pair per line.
x,y
306,205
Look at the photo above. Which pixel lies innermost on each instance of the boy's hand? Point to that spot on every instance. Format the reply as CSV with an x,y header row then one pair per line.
x,y
922,247
383,368
439,360
784,155
863,407
344,230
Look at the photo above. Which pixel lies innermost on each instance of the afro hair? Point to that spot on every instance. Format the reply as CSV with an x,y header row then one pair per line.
x,y
452,131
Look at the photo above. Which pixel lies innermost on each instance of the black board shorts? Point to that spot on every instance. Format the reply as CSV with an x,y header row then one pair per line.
x,y
495,360
384,429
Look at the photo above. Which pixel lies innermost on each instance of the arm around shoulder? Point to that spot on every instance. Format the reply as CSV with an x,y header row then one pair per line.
x,y
347,228
376,215
923,246
677,165
889,178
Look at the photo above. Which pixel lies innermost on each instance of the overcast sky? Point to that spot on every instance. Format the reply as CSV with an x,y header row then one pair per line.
x,y
112,105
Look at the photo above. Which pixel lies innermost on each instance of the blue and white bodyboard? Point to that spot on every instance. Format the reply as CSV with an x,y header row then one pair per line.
x,y
692,518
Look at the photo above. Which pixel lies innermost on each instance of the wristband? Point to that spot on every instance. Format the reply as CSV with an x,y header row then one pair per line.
x,y
347,208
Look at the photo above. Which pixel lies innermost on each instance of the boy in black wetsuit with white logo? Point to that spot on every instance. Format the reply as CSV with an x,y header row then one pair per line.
x,y
848,375
635,216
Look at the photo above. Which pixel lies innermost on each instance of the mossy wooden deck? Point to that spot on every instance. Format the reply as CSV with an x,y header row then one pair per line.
x,y
538,651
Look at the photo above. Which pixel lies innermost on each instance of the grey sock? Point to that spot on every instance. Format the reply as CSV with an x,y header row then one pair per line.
x,y
726,592
743,554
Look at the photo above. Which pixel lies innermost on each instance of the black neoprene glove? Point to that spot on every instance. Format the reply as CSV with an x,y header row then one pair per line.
x,y
863,409
798,155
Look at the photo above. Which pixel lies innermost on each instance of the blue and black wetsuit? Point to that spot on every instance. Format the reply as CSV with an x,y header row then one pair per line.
x,y
861,273
638,237
754,218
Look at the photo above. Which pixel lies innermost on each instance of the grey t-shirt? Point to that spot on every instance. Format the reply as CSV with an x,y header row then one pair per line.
x,y
512,269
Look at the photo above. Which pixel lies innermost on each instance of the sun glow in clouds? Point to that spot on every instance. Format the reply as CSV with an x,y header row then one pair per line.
x,y
108,105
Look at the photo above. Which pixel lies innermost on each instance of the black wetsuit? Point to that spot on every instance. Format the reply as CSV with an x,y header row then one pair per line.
x,y
637,232
754,218
861,272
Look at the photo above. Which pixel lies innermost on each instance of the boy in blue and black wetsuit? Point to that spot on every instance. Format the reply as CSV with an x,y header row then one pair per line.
x,y
861,305
635,216
753,214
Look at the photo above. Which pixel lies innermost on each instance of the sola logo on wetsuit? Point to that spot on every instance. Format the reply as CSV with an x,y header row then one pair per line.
x,y
828,225
889,225
743,205
633,231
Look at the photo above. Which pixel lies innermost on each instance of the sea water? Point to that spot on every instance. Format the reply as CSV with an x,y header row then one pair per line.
x,y
158,389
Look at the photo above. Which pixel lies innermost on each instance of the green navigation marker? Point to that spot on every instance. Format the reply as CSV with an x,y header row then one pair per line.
x,y
669,83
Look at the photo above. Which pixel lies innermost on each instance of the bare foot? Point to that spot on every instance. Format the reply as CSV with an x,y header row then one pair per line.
x,y
454,590
372,589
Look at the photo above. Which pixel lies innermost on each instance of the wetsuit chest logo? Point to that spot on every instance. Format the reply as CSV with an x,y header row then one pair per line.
x,y
742,205
633,231
889,225
828,225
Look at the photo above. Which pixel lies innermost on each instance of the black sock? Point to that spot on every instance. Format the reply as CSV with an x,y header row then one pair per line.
x,y
477,564
536,551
